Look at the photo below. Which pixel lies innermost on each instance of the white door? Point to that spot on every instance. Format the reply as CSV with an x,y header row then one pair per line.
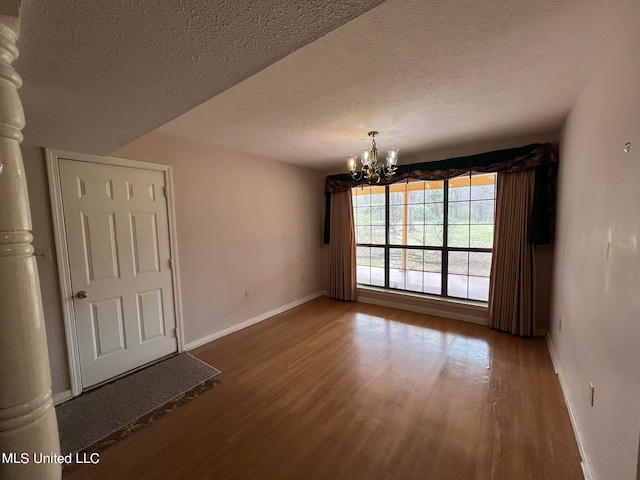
x,y
117,232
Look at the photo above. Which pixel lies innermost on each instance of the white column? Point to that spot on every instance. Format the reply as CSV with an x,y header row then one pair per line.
x,y
27,417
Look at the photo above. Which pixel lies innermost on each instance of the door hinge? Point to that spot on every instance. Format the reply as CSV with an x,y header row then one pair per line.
x,y
171,264
173,333
165,192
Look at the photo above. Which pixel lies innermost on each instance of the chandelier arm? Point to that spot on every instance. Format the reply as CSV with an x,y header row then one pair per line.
x,y
357,177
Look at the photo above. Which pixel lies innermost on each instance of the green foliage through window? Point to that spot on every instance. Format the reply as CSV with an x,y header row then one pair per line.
x,y
425,251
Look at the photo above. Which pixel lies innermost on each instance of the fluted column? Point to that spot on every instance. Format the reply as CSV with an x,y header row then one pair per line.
x,y
27,417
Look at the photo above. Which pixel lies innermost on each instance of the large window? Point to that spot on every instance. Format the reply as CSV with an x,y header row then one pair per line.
x,y
427,237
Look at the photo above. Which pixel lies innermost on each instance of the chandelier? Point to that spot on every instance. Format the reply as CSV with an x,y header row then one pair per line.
x,y
371,169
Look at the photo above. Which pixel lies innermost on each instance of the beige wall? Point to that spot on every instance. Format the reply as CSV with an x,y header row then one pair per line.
x,y
244,223
36,170
597,265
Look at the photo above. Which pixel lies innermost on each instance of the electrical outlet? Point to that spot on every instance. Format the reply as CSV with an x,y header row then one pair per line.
x,y
247,294
591,393
560,324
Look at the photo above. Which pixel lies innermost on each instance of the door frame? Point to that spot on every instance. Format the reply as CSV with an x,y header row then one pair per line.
x,y
62,254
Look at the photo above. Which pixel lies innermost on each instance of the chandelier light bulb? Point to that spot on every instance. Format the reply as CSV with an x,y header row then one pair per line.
x,y
364,158
352,163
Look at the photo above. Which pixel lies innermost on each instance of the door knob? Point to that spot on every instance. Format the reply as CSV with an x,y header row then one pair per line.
x,y
82,294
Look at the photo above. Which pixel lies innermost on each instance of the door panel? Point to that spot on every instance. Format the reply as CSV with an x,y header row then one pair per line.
x,y
94,189
108,326
150,315
145,243
117,231
144,191
101,251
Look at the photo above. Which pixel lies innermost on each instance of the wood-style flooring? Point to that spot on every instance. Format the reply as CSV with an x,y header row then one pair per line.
x,y
334,390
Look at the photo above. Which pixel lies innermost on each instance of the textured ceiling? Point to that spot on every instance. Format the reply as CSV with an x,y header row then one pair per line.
x,y
428,75
98,74
317,74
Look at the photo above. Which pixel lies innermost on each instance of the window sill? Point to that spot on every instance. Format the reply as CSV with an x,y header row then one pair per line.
x,y
465,310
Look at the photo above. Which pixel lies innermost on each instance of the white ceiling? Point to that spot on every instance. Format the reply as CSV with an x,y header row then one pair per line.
x,y
427,74
98,74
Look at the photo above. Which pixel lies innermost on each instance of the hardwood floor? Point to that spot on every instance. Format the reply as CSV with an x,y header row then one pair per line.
x,y
333,390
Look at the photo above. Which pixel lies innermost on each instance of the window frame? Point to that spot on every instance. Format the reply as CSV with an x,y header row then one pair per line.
x,y
445,249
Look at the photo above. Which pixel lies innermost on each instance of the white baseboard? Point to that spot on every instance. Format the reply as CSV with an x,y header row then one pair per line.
x,y
61,397
251,321
586,469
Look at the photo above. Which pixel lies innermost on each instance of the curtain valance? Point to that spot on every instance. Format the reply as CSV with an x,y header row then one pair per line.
x,y
542,157
509,160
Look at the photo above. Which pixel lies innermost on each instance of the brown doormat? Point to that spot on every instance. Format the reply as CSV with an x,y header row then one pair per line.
x,y
98,419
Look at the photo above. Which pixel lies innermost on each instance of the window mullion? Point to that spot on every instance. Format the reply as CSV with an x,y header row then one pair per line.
x,y
445,242
387,238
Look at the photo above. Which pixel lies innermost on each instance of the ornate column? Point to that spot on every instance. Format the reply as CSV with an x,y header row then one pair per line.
x,y
27,417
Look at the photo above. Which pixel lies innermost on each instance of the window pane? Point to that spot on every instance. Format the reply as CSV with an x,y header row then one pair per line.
x,y
481,236
459,188
479,288
395,234
363,265
377,215
458,235
432,272
458,212
377,257
434,192
370,266
483,186
363,234
457,285
362,216
396,276
378,234
415,270
416,214
414,259
433,261
482,211
469,275
377,196
396,197
434,213
480,264
458,274
459,262
433,235
362,196
396,214
363,256
416,193
415,235
377,267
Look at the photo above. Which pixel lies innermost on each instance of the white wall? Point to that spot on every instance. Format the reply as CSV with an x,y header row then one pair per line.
x,y
244,223
597,260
